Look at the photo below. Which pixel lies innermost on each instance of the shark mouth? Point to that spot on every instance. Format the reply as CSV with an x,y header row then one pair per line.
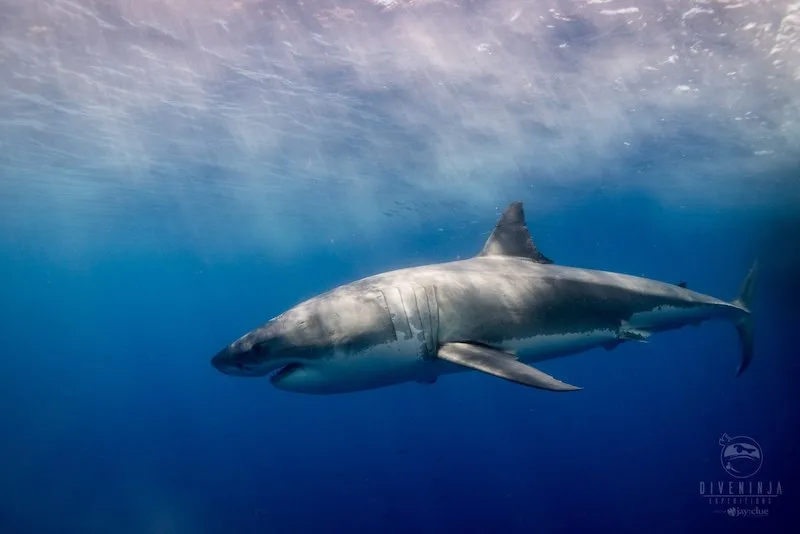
x,y
284,372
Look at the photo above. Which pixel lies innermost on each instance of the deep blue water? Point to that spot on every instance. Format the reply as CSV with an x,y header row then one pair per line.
x,y
114,421
175,173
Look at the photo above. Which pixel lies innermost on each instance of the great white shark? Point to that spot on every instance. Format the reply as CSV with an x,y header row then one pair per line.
x,y
498,312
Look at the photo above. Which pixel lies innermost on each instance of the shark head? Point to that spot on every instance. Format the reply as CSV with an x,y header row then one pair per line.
x,y
260,352
300,348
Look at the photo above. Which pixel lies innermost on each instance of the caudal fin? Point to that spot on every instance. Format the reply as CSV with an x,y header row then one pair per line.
x,y
744,326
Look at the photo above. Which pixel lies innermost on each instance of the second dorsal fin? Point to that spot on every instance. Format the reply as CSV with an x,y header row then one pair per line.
x,y
511,237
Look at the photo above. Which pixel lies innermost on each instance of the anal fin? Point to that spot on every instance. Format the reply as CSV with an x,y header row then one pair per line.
x,y
500,364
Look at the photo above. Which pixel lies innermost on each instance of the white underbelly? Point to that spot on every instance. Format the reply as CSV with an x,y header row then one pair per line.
x,y
670,316
379,366
400,361
543,347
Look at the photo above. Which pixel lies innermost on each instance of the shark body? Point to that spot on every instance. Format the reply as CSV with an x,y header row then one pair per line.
x,y
498,313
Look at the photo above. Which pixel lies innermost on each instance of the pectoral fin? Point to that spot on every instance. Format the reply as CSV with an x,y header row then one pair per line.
x,y
500,364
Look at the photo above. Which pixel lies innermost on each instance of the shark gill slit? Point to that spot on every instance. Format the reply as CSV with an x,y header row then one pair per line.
x,y
434,335
389,312
405,312
438,318
427,321
423,350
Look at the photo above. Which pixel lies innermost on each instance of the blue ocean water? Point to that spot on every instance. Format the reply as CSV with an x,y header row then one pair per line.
x,y
174,174
115,421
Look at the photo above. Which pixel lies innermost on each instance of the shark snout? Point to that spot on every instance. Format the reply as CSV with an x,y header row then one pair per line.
x,y
225,361
236,360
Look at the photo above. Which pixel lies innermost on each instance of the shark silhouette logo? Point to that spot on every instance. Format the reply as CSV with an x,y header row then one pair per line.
x,y
741,456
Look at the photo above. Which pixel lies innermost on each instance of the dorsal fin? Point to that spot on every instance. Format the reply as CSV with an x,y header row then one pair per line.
x,y
511,237
682,284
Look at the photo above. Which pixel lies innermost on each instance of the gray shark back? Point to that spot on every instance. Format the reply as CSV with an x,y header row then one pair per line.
x,y
498,299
